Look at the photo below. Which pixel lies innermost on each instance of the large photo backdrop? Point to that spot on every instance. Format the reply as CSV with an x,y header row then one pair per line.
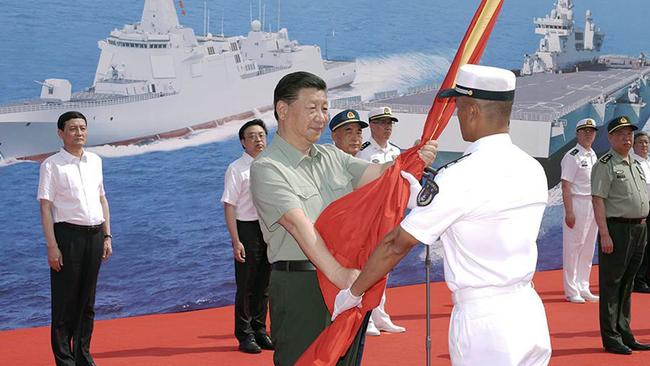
x,y
171,248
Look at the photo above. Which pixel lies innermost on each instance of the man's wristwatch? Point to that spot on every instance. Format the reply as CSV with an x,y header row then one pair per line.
x,y
108,236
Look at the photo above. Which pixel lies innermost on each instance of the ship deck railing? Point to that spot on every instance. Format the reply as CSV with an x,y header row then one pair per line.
x,y
41,104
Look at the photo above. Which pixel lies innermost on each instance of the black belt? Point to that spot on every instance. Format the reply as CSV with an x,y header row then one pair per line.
x,y
293,266
625,220
84,228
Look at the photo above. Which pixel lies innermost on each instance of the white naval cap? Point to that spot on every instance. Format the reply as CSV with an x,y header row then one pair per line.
x,y
381,112
586,123
482,82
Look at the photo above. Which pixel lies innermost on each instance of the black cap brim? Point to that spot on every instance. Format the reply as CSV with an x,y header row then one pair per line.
x,y
583,127
634,128
362,123
392,118
449,93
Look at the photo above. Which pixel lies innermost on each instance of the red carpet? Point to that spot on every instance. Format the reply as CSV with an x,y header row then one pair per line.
x,y
205,337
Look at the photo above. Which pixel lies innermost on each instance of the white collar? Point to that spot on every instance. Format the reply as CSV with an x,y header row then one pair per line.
x,y
583,150
638,157
71,158
247,157
498,139
375,144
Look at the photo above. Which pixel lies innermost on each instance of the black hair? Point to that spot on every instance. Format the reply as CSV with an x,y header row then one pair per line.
x,y
290,85
639,134
255,122
65,117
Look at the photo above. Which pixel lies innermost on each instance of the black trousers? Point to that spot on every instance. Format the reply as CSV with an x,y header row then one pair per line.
x,y
616,276
73,294
252,278
642,279
299,315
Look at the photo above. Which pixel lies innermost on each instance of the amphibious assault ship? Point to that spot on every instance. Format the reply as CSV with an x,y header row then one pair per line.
x,y
158,79
564,81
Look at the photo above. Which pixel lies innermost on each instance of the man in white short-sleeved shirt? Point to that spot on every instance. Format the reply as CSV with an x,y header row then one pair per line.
x,y
640,154
252,268
487,214
75,219
579,229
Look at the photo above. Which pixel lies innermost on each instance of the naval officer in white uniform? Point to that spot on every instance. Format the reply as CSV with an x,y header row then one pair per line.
x,y
380,150
487,214
640,154
579,229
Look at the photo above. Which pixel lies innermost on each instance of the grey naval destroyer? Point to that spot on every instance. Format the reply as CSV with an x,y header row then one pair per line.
x,y
565,80
158,79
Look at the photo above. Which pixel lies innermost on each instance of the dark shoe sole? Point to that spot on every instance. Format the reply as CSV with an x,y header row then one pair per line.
x,y
246,350
638,347
619,351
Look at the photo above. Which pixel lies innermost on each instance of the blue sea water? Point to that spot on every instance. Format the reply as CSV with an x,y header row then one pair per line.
x,y
172,250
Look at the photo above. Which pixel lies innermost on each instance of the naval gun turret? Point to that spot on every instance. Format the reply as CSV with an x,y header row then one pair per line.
x,y
55,90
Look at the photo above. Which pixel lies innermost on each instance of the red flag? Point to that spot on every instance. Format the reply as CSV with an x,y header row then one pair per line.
x,y
353,237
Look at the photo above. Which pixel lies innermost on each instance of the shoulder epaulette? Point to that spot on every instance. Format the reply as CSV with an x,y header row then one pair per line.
x,y
394,145
605,158
452,162
365,144
574,152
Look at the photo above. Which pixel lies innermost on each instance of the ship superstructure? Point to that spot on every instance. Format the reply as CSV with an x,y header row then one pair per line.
x,y
547,104
156,78
564,46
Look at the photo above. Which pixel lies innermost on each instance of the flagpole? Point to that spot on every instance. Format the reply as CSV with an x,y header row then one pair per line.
x,y
427,263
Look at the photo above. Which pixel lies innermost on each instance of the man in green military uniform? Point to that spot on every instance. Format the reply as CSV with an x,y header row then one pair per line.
x,y
620,200
292,182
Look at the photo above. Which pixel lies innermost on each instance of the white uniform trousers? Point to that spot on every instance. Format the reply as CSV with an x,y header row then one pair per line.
x,y
578,246
499,326
379,314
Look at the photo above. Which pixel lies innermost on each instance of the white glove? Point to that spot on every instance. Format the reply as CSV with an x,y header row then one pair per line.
x,y
345,301
415,189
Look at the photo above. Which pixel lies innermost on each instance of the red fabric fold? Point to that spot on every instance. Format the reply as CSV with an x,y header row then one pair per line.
x,y
353,225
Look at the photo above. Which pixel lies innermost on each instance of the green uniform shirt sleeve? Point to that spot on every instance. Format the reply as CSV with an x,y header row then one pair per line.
x,y
272,195
601,179
354,166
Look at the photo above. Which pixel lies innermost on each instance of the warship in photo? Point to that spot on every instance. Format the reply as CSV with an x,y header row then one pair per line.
x,y
158,79
565,80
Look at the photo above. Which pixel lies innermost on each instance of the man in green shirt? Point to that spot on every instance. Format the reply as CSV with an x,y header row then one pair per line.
x,y
620,200
292,182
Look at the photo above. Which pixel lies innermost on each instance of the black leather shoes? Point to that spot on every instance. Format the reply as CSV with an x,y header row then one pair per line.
x,y
636,346
264,341
249,345
619,349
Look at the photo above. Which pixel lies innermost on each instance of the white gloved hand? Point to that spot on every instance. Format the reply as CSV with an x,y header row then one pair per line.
x,y
345,301
415,189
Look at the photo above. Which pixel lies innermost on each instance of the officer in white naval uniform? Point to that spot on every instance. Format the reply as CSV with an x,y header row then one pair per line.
x,y
487,214
640,154
380,150
579,229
